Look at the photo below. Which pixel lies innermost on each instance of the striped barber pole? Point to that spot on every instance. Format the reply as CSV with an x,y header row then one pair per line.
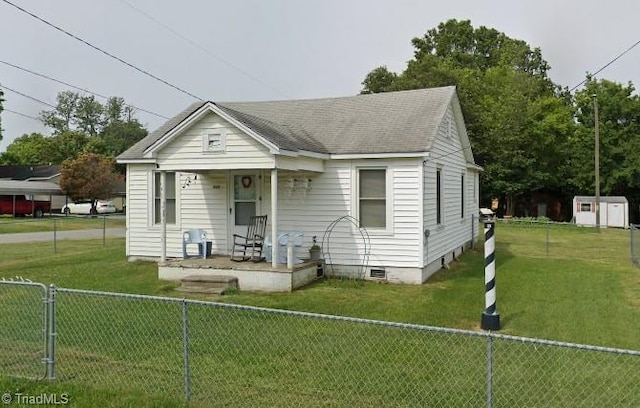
x,y
490,316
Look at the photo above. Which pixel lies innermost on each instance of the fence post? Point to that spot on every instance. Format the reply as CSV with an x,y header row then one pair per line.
x,y
185,344
473,231
104,229
55,236
51,329
633,255
490,316
489,371
548,224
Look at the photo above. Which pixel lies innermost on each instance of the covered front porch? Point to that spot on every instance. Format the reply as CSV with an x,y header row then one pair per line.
x,y
252,276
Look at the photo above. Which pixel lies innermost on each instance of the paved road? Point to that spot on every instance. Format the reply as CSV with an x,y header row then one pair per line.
x,y
48,235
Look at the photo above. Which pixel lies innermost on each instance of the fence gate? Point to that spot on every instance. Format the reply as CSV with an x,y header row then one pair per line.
x,y
23,329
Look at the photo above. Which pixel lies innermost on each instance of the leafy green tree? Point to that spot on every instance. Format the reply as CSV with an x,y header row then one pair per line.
x,y
619,120
28,149
68,145
89,115
89,176
61,118
378,80
504,90
117,137
79,124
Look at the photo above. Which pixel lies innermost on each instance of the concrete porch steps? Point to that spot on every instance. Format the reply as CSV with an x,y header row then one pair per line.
x,y
207,284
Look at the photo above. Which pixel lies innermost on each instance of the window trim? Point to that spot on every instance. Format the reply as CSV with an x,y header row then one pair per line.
x,y
583,204
462,196
439,196
154,196
388,228
208,135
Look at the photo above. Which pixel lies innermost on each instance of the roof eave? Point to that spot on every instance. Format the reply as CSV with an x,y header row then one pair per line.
x,y
152,150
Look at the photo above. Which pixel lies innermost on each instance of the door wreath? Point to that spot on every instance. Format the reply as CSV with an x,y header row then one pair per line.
x,y
246,181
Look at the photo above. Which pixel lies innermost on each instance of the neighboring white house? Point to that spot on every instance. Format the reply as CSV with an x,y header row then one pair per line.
x,y
614,211
399,162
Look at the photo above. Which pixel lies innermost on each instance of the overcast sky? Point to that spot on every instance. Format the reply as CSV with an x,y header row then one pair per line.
x,y
276,49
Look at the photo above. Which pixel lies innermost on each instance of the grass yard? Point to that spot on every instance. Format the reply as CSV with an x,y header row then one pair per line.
x,y
11,225
581,287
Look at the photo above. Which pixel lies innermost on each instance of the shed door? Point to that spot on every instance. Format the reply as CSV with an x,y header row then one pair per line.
x,y
542,209
615,215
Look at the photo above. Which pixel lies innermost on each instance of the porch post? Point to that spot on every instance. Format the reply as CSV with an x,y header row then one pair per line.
x,y
163,216
274,218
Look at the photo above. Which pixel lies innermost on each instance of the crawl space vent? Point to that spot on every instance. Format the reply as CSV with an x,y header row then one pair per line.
x,y
379,273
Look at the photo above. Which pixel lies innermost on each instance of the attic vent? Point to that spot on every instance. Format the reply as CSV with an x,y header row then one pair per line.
x,y
379,273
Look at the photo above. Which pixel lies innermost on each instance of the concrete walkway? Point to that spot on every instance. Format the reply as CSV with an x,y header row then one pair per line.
x,y
48,235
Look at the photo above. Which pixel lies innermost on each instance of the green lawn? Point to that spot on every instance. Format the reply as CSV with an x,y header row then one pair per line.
x,y
580,288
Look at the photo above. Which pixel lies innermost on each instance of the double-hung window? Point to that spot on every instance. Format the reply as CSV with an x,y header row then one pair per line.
x,y
170,195
372,198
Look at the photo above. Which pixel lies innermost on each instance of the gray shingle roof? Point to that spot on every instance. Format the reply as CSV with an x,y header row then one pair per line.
x,y
603,199
392,122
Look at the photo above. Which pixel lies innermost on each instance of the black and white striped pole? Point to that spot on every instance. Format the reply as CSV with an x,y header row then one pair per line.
x,y
490,316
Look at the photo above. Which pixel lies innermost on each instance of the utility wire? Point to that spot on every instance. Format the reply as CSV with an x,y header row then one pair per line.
x,y
28,96
201,48
76,87
21,114
75,37
607,64
452,152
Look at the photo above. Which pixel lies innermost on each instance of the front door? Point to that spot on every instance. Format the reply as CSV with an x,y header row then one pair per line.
x,y
246,190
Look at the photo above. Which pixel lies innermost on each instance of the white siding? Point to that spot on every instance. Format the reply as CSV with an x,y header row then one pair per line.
x,y
140,242
455,229
332,196
185,152
204,205
201,202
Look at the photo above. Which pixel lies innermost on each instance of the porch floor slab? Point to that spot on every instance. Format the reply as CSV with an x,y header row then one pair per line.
x,y
252,276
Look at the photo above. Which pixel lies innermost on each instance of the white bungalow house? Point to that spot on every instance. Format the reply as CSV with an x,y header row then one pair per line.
x,y
400,163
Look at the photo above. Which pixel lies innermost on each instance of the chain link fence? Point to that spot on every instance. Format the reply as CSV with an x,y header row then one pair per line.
x,y
51,231
635,244
547,239
23,329
214,354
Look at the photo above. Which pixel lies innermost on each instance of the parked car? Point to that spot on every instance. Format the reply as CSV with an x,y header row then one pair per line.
x,y
84,207
20,206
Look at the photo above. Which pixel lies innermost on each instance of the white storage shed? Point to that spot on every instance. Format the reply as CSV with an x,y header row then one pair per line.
x,y
614,211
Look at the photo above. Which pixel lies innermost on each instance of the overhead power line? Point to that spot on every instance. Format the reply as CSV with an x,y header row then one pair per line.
x,y
21,114
607,64
202,48
28,96
75,37
76,87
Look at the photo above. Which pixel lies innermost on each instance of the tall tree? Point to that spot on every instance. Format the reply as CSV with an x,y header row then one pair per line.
x,y
89,176
619,119
61,118
28,149
89,115
117,137
503,85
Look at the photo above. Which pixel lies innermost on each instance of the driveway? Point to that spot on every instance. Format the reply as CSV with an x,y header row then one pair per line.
x,y
48,235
